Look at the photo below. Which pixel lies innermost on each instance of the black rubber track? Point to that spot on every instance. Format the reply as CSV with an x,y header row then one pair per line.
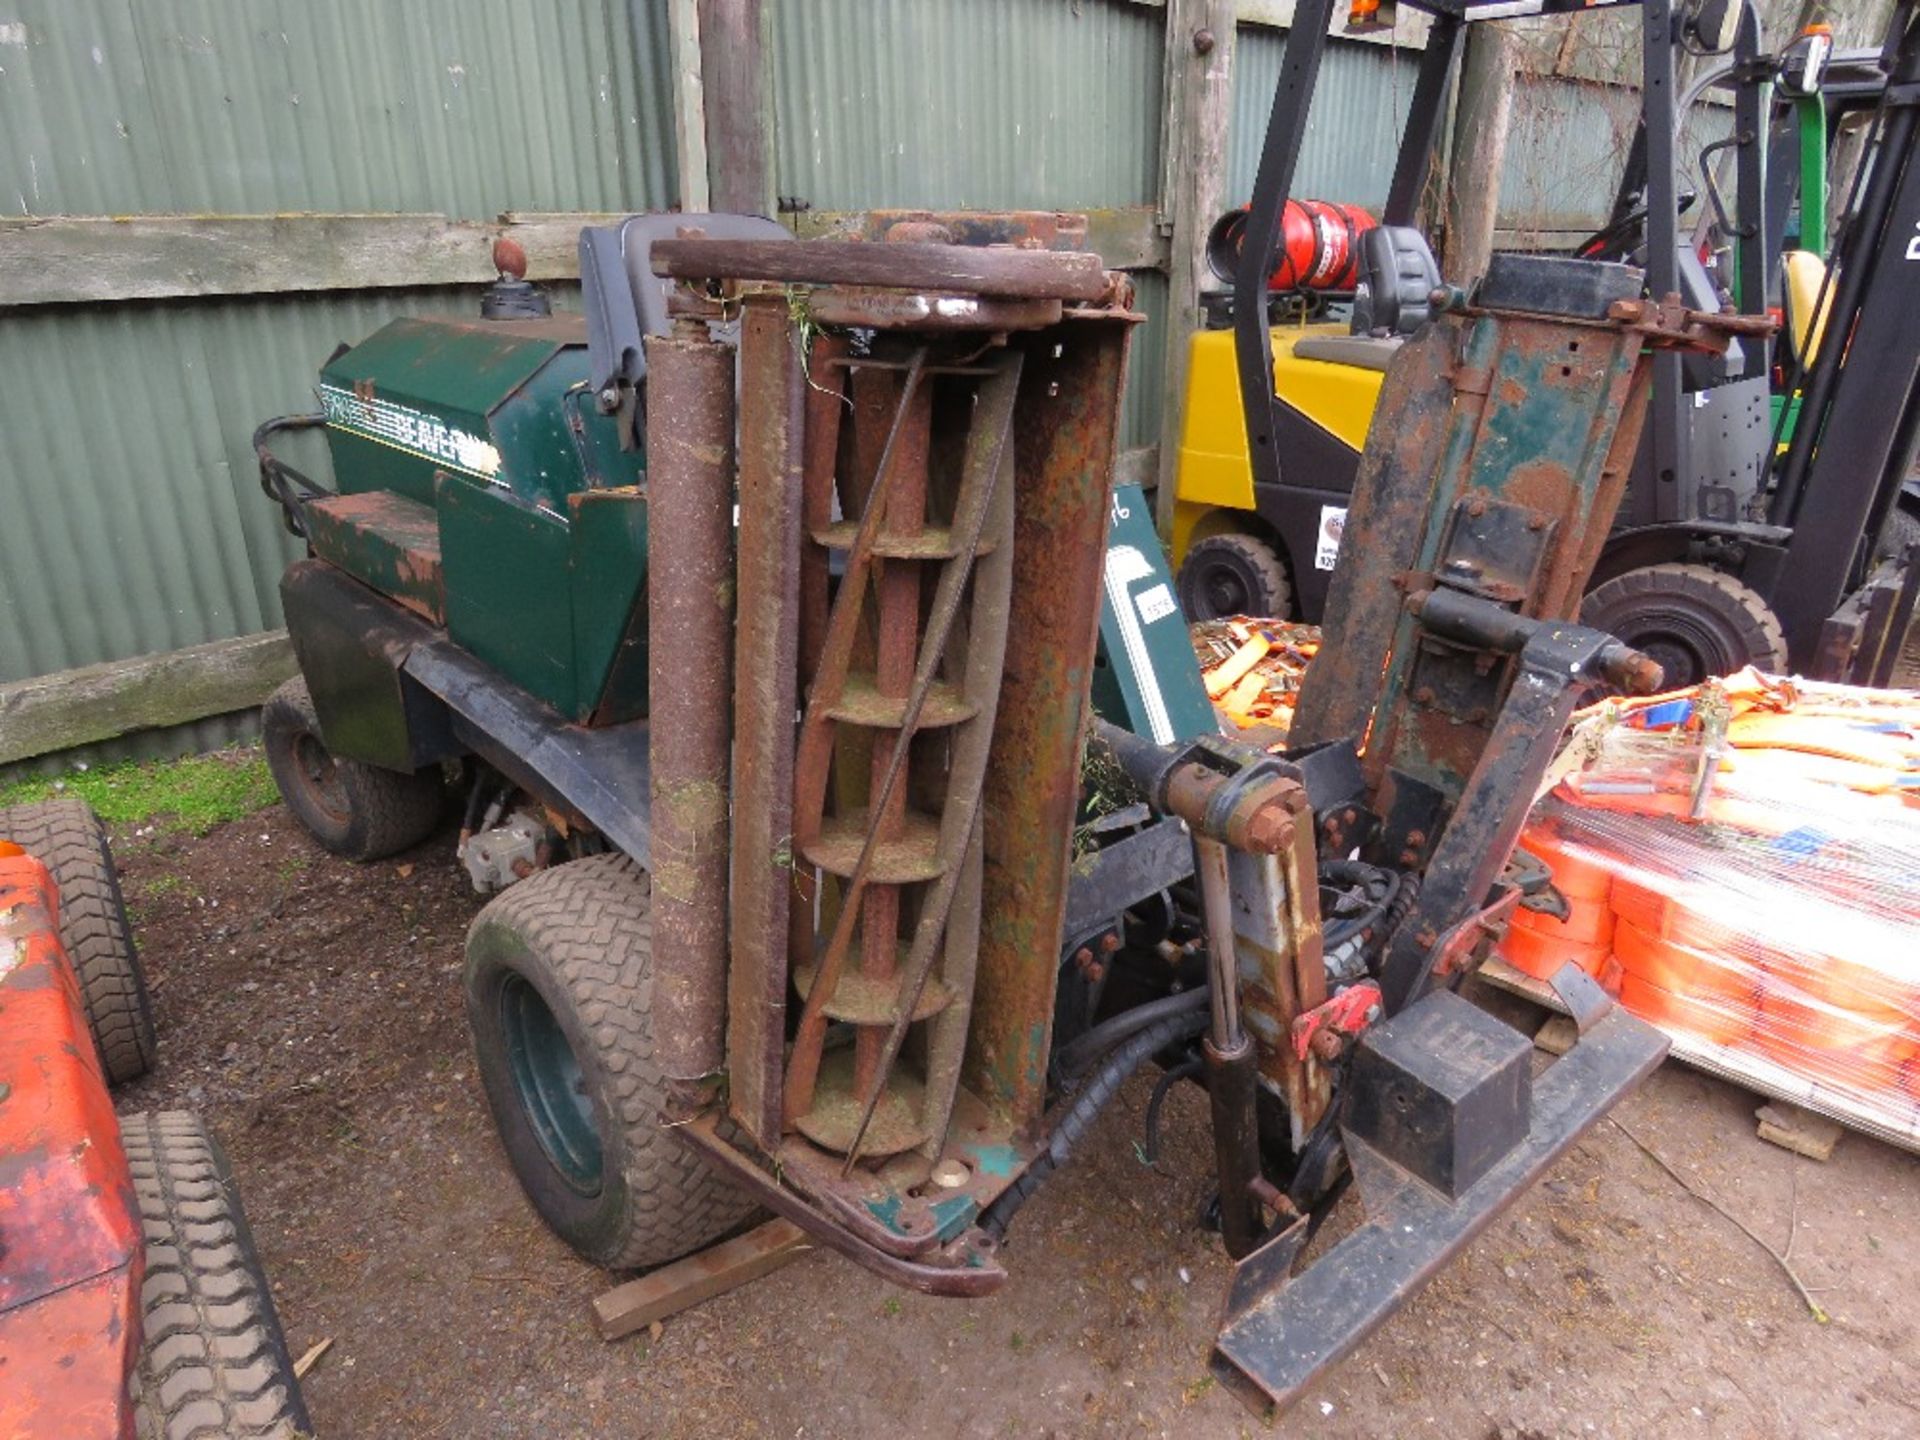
x,y
582,935
68,838
213,1363
383,811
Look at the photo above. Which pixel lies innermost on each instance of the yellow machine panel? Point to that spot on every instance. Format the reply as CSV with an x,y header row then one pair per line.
x,y
1214,470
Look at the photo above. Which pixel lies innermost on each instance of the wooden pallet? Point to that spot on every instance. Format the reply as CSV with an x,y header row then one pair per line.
x,y
1753,1072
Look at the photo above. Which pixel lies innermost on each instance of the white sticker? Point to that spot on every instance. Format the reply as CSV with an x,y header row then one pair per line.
x,y
1333,524
1124,566
1156,604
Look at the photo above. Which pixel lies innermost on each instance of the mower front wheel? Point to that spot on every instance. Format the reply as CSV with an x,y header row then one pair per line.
x,y
357,811
560,999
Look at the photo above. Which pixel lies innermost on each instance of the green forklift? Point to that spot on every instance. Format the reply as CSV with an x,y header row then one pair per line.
x,y
760,613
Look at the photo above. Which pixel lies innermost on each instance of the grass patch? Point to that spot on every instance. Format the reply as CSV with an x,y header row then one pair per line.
x,y
191,795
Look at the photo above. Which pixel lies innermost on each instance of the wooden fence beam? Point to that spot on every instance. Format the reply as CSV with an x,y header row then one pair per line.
x,y
70,260
81,260
1199,108
149,692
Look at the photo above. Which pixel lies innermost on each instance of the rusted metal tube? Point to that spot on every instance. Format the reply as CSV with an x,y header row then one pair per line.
x,y
966,269
1210,865
689,637
1231,1081
772,410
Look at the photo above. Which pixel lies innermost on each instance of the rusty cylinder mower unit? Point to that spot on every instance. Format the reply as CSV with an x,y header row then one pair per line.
x,y
925,447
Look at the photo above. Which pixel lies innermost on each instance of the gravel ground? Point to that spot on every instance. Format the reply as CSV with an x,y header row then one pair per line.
x,y
312,1011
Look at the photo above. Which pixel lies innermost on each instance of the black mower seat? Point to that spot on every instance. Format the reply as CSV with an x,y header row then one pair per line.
x,y
625,301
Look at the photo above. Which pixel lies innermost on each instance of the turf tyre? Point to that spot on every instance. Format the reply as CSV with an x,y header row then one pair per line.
x,y
68,838
213,1360
577,942
357,811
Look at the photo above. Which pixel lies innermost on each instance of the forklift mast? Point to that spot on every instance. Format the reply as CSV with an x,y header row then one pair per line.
x,y
1859,425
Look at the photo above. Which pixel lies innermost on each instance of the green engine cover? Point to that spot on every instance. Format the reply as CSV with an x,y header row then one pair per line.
x,y
488,426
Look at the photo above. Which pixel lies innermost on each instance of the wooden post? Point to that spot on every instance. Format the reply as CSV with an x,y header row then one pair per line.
x,y
734,78
1481,125
1199,88
689,102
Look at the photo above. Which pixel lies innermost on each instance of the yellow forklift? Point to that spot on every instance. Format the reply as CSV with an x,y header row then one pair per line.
x,y
1711,564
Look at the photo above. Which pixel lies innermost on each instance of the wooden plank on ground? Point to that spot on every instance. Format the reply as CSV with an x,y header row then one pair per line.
x,y
732,1263
149,692
1800,1131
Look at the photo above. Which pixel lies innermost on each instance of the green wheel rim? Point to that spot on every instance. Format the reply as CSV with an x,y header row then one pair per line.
x,y
551,1086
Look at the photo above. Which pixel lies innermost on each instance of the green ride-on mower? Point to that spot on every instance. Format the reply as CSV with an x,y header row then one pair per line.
x,y
761,611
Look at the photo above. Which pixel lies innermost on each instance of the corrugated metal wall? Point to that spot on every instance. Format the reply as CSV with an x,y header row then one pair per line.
x,y
976,104
465,107
1353,129
139,526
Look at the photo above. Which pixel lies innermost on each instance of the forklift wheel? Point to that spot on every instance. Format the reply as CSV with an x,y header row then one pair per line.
x,y
559,995
67,837
1692,619
213,1360
360,812
1235,575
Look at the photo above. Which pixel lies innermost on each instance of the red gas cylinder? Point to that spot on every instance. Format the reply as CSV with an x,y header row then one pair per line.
x,y
1319,245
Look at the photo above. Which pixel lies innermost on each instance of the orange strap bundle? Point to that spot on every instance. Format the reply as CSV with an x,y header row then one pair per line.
x,y
1747,855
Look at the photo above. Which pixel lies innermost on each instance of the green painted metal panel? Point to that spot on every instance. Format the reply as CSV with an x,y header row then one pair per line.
x,y
1145,676
607,578
507,594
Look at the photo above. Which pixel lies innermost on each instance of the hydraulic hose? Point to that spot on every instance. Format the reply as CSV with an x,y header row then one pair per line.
x,y
1185,1070
1080,1052
1370,877
1085,1107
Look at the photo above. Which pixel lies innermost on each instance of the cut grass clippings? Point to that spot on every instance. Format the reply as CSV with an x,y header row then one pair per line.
x,y
191,795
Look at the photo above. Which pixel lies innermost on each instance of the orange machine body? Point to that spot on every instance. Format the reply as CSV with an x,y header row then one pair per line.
x,y
71,1251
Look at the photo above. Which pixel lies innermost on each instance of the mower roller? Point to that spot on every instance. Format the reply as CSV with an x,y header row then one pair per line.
x,y
762,612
